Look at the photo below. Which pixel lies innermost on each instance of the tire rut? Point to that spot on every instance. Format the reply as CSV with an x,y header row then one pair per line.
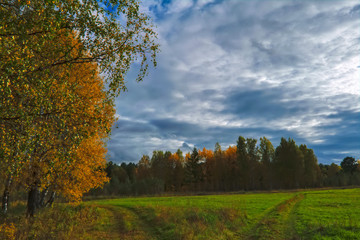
x,y
277,224
147,222
129,225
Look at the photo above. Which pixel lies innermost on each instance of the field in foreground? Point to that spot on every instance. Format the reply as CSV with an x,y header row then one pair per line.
x,y
323,214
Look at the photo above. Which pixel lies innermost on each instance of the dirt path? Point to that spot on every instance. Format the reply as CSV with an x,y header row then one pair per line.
x,y
141,223
129,224
279,222
146,219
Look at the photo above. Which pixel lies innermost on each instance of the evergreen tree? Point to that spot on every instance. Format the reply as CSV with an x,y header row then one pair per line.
x,y
311,167
266,152
289,164
193,168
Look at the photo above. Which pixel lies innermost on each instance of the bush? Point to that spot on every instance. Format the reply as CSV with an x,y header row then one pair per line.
x,y
7,231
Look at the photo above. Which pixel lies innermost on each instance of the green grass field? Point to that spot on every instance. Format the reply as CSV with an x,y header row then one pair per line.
x,y
324,214
320,214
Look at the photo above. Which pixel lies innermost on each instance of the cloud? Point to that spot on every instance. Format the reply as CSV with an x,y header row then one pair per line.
x,y
252,68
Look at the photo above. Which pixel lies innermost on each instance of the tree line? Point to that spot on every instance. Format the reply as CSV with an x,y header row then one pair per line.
x,y
246,166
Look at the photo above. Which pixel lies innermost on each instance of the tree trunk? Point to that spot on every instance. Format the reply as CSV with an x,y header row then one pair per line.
x,y
6,195
42,197
33,200
51,199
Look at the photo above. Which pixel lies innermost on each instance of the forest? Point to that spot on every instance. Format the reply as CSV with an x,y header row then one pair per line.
x,y
246,166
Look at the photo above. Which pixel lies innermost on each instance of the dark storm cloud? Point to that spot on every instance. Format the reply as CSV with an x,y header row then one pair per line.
x,y
345,141
250,103
128,127
171,126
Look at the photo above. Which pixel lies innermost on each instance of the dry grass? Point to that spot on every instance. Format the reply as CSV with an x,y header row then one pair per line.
x,y
60,222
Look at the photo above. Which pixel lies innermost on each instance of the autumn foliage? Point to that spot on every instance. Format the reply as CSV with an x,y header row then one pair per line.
x,y
64,141
56,112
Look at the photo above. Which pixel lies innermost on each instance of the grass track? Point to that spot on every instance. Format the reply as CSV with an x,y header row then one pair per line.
x,y
277,223
325,214
129,225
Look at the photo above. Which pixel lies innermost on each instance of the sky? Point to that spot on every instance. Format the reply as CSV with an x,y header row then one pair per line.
x,y
246,68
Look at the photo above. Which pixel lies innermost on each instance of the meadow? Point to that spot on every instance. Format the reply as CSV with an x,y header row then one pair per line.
x,y
313,214
324,214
